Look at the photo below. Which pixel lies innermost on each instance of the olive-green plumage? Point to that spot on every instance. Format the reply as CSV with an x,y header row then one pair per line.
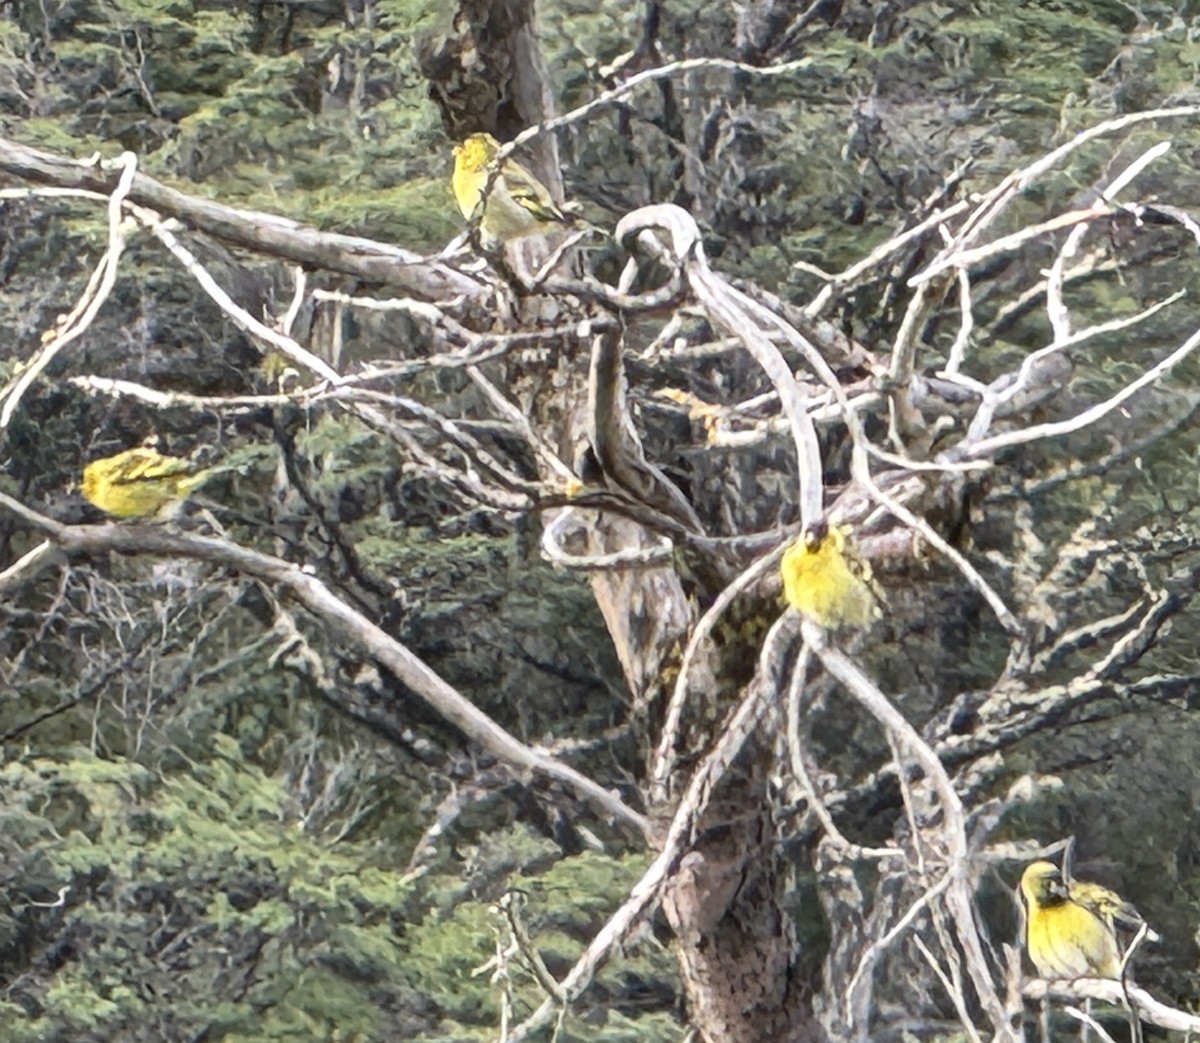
x,y
508,203
140,482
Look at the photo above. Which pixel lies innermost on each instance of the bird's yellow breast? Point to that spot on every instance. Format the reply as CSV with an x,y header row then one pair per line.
x,y
470,175
819,580
1065,940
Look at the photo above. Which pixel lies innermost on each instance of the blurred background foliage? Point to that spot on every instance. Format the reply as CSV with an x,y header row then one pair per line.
x,y
247,858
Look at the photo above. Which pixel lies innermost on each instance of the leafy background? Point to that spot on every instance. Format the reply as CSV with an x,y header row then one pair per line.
x,y
244,861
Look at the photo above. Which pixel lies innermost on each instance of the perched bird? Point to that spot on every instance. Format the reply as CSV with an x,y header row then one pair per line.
x,y
1069,926
515,203
140,482
824,579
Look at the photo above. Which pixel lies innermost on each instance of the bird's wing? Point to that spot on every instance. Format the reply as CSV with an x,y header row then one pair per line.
x,y
153,468
1109,906
527,191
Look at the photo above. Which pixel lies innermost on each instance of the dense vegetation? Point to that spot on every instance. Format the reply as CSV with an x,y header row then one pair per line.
x,y
228,813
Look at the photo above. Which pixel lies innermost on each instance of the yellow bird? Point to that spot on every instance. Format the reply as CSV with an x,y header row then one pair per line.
x,y
1069,927
824,579
140,482
516,203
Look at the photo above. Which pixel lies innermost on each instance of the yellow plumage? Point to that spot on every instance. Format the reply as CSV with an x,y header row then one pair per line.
x,y
1110,907
824,579
1067,934
139,482
517,203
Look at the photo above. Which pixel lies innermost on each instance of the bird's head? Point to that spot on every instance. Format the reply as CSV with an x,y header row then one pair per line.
x,y
1042,884
476,152
814,535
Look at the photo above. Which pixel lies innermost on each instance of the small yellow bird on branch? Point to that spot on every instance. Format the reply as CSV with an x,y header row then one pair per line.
x,y
1070,927
826,580
514,204
141,482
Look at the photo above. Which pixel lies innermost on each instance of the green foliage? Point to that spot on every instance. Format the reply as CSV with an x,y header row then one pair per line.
x,y
341,453
415,212
574,893
450,958
136,853
245,107
236,848
188,883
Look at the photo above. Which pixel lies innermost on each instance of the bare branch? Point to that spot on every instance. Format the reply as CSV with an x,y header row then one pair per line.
x,y
1036,432
99,286
701,633
155,540
1110,991
647,891
960,894
260,232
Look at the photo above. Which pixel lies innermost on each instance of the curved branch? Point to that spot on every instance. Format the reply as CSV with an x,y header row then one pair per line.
x,y
645,894
615,442
725,308
1147,1007
959,891
408,668
260,232
96,293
